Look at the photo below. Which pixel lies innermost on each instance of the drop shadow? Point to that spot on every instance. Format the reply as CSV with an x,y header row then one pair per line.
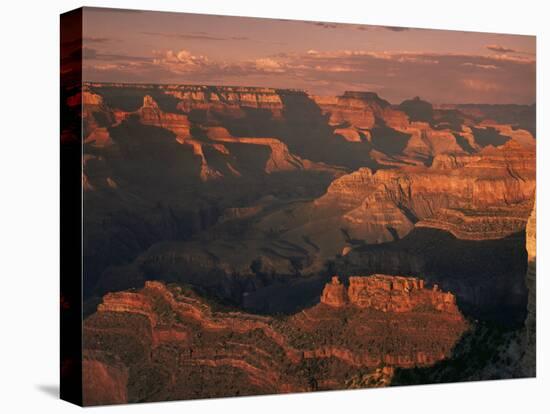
x,y
51,390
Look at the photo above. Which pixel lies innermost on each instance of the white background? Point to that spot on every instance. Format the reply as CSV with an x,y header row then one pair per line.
x,y
29,206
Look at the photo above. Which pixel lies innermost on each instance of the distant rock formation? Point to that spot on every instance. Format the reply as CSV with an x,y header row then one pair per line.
x,y
417,109
372,202
362,110
207,97
388,294
151,114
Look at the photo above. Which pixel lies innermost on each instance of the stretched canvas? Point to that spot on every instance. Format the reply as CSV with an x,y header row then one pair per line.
x,y
264,206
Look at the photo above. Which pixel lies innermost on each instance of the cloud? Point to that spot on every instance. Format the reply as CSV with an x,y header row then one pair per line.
x,y
505,50
181,61
500,49
93,54
107,66
480,66
269,65
193,36
479,85
395,75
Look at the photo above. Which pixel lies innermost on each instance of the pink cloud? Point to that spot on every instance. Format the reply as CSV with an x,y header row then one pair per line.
x,y
480,85
439,77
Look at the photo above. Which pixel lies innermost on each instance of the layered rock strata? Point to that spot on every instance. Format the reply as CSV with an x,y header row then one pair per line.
x,y
475,197
165,342
388,294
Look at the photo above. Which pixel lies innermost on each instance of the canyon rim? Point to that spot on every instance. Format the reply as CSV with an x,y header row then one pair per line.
x,y
259,206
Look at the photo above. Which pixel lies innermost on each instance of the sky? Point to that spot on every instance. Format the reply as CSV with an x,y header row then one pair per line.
x,y
322,58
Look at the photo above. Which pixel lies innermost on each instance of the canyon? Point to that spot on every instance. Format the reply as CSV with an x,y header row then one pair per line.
x,y
216,217
165,342
312,178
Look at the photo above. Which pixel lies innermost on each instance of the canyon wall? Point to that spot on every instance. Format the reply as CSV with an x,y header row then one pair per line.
x,y
236,189
530,358
476,197
166,342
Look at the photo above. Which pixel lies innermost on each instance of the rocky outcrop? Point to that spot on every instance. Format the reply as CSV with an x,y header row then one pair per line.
x,y
360,109
96,118
165,342
388,294
151,114
128,302
334,293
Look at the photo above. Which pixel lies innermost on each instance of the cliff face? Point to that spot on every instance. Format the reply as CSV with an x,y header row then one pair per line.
x,y
300,132
487,351
530,358
360,110
473,197
413,132
151,114
198,97
167,343
96,117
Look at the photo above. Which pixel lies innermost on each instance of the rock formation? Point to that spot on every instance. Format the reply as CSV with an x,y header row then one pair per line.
x,y
334,293
96,118
472,196
360,109
151,114
165,342
388,294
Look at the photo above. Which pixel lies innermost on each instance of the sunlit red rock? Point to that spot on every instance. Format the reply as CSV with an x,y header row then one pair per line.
x,y
168,343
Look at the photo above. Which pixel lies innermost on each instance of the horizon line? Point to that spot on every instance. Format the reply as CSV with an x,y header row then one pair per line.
x,y
439,104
